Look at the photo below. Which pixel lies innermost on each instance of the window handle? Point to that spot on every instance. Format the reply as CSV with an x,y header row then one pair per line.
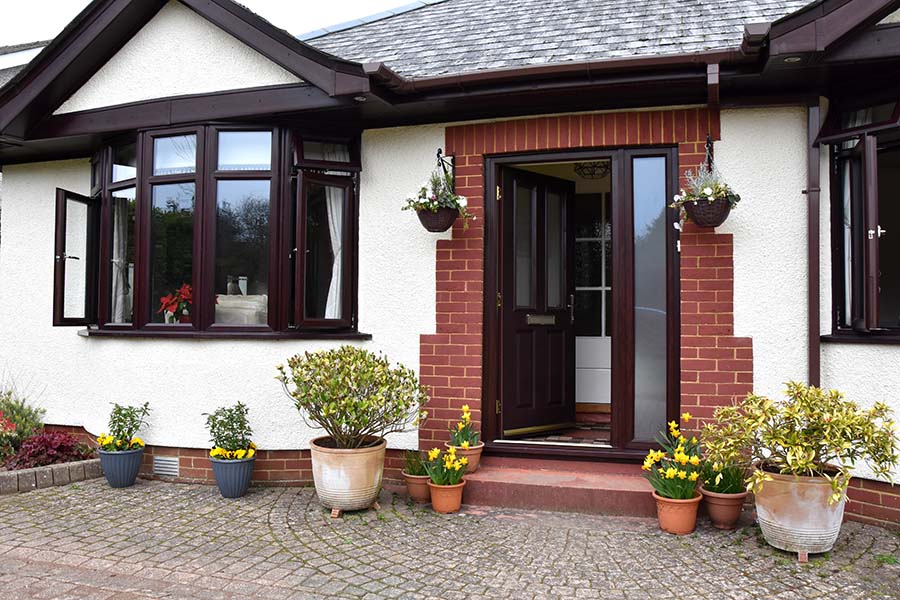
x,y
571,308
64,256
879,232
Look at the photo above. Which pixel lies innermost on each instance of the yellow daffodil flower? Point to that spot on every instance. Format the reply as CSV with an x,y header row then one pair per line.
x,y
686,417
695,460
682,474
693,439
460,426
671,473
467,418
464,460
465,408
693,476
433,453
452,451
464,445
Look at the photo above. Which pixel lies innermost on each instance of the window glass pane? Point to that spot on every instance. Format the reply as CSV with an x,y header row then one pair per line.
x,y
121,284
174,155
649,189
124,162
846,315
588,264
245,150
588,312
555,250
867,116
242,252
76,259
889,238
324,251
326,151
523,236
172,251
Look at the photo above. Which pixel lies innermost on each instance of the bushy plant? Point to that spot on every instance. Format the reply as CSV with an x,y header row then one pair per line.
x,y
230,433
48,448
124,424
414,465
7,434
810,432
446,468
354,395
674,470
704,185
437,193
27,419
464,434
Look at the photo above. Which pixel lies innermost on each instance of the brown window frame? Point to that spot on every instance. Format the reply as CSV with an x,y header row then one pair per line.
x,y
287,175
60,257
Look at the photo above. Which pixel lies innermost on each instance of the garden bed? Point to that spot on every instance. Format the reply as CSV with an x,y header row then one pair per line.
x,y
25,480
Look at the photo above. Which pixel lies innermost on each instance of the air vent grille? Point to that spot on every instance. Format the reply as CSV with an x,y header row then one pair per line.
x,y
167,466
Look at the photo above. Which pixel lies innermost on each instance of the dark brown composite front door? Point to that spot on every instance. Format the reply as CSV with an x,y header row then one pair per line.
x,y
538,293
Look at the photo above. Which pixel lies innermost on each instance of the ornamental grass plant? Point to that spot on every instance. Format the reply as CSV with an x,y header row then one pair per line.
x,y
124,424
811,432
674,470
230,431
356,396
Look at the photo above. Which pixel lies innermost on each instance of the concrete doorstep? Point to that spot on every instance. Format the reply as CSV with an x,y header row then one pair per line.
x,y
25,480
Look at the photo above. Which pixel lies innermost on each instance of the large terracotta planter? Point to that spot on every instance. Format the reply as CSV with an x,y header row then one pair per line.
x,y
446,498
417,487
724,509
794,513
347,479
677,516
473,454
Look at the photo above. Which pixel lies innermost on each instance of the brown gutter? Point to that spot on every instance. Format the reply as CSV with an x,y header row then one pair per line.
x,y
812,192
401,85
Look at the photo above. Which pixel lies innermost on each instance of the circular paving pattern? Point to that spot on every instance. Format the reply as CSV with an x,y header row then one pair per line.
x,y
160,540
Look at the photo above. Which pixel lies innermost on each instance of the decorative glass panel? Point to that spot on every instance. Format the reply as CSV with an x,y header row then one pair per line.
x,y
556,241
121,283
175,155
524,252
589,264
324,251
326,151
245,150
172,252
649,192
76,259
888,233
124,162
242,252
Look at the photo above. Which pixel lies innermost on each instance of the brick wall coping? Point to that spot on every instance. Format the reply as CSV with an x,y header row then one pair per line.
x,y
25,480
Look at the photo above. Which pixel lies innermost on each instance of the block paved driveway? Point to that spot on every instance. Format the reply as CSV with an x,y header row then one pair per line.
x,y
161,540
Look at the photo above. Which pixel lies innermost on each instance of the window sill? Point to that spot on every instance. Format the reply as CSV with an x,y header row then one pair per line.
x,y
888,339
227,335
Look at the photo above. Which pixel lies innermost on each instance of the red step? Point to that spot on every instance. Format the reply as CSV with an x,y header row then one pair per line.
x,y
568,486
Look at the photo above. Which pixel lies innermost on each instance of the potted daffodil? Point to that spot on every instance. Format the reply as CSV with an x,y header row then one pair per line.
x,y
121,451
465,439
673,471
233,454
446,472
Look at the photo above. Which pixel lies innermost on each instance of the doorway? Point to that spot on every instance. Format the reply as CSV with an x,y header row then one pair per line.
x,y
587,286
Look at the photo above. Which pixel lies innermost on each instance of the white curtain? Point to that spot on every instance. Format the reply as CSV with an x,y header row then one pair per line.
x,y
120,310
334,197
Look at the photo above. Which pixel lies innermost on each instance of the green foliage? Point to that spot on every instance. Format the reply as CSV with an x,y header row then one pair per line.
x,y
414,464
445,469
706,185
353,394
673,471
728,479
464,434
229,428
27,419
887,559
124,423
811,432
438,193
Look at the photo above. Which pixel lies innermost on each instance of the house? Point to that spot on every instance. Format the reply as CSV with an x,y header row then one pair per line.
x,y
158,143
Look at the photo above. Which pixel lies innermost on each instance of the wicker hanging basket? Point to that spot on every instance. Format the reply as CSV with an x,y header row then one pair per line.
x,y
438,221
708,214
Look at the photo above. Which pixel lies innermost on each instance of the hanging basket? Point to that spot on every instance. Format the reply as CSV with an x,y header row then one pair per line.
x,y
438,221
708,214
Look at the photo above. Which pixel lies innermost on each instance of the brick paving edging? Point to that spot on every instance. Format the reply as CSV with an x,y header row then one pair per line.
x,y
26,480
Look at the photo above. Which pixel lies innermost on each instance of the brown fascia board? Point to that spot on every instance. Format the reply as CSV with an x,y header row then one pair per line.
x,y
819,27
400,85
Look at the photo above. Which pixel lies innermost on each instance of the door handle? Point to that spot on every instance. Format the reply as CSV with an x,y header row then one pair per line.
x,y
571,308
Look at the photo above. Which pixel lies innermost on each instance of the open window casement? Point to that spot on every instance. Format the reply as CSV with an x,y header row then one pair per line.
x,y
75,259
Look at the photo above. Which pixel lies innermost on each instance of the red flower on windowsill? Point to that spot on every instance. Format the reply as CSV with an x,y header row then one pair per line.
x,y
178,304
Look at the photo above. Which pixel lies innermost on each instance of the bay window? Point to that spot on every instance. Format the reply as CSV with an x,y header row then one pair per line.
x,y
212,230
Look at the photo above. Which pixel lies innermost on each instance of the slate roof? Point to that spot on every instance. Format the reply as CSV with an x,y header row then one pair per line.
x,y
457,36
21,47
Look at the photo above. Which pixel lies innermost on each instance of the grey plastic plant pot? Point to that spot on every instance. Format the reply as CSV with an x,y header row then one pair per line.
x,y
121,468
232,476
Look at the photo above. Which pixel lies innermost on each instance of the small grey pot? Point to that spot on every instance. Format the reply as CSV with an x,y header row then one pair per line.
x,y
121,468
232,476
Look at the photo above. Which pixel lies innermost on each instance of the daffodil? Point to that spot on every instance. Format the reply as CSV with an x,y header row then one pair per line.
x,y
460,426
451,451
464,445
464,460
686,417
693,476
682,474
671,472
433,453
695,460
465,408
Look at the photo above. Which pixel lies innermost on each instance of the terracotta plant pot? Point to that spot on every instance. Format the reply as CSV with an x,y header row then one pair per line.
x,y
347,479
417,487
473,454
724,509
446,498
438,221
677,516
794,513
708,214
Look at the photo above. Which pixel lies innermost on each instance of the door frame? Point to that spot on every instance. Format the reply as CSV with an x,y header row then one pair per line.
x,y
492,334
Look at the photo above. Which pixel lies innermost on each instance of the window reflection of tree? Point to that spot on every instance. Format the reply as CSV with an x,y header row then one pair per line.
x,y
172,222
242,243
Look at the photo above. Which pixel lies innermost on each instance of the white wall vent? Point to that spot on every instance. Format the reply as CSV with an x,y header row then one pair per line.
x,y
167,466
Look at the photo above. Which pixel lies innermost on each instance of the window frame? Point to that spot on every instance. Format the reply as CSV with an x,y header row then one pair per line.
x,y
287,177
90,260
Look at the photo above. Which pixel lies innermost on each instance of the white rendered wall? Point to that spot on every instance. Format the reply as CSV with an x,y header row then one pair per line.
x,y
177,52
76,378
